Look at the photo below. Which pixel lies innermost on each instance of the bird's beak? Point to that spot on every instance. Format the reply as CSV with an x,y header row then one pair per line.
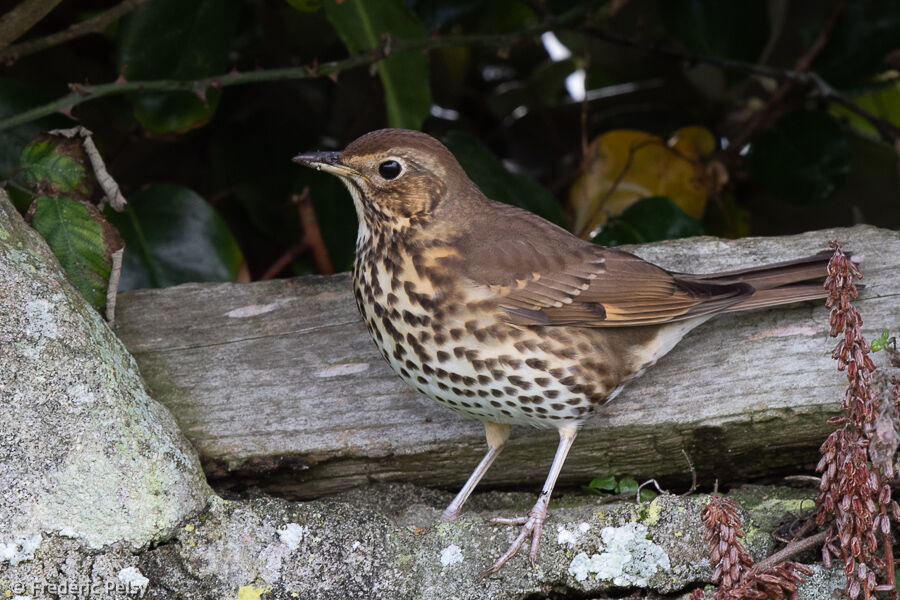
x,y
324,161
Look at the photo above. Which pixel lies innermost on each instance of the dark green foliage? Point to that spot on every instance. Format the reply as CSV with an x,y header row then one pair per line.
x,y
363,25
865,35
173,236
176,39
648,220
803,159
733,29
503,106
497,183
604,486
17,96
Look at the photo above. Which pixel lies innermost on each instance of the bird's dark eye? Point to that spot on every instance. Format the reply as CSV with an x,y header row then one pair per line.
x,y
389,169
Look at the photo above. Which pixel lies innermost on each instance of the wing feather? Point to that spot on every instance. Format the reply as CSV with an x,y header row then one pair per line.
x,y
545,275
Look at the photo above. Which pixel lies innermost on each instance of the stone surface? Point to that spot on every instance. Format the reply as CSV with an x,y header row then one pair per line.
x,y
103,497
85,453
384,543
278,384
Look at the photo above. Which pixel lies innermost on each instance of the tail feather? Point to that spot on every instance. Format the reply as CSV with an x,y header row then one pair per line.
x,y
782,295
774,284
776,274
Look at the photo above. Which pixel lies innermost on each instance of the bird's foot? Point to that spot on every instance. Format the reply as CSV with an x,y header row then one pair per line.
x,y
450,513
532,526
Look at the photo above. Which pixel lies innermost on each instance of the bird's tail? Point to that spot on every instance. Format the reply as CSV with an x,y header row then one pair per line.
x,y
778,283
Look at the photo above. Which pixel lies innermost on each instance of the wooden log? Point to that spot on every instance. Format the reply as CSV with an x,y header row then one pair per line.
x,y
277,383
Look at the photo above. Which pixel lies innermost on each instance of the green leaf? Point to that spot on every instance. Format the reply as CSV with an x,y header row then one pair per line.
x,y
76,238
163,112
362,25
649,220
176,39
173,236
627,485
42,165
881,342
606,484
647,495
497,183
883,103
803,159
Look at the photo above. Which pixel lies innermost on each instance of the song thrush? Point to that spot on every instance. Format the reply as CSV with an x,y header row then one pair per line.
x,y
502,316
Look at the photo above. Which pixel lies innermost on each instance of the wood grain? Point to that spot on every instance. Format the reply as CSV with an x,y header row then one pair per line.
x,y
277,383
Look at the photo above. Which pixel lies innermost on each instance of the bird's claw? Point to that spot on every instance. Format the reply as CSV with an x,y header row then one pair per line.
x,y
532,526
509,521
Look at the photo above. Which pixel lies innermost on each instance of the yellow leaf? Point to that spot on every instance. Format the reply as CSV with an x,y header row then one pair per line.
x,y
624,165
693,142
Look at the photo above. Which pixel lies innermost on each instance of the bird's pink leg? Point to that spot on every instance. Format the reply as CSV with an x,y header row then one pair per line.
x,y
534,522
496,435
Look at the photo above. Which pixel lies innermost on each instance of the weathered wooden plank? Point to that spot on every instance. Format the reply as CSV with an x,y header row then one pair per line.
x,y
277,383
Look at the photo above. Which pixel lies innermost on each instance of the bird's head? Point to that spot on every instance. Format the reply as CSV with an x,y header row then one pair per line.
x,y
394,175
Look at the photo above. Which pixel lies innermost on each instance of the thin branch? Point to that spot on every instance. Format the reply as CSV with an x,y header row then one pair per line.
x,y
95,24
22,18
802,64
312,240
790,550
312,234
284,260
85,93
637,494
724,63
889,132
690,463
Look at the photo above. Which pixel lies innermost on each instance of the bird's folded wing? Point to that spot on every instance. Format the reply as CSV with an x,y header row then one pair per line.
x,y
537,283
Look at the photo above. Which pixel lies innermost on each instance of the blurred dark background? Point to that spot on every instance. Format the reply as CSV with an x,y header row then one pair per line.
x,y
634,120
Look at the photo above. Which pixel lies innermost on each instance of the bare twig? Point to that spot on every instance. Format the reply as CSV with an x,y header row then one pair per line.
x,y
95,24
284,260
112,288
646,483
690,463
792,549
807,479
22,18
312,240
312,235
808,526
86,93
889,132
112,195
765,116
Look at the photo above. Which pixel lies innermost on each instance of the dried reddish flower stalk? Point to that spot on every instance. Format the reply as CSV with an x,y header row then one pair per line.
x,y
735,574
854,499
